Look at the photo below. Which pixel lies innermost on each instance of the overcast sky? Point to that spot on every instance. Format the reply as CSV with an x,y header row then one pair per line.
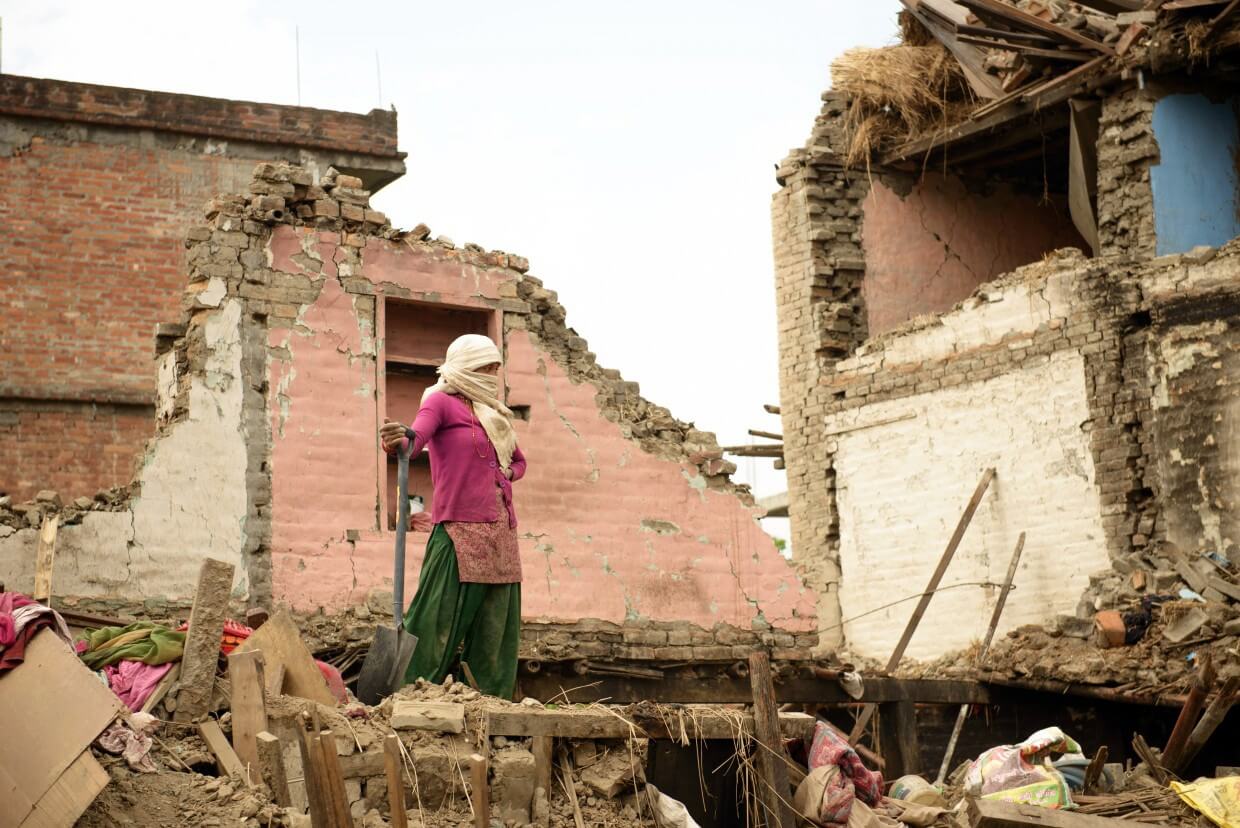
x,y
627,149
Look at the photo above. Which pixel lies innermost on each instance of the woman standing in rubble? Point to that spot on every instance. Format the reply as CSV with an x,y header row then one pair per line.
x,y
468,603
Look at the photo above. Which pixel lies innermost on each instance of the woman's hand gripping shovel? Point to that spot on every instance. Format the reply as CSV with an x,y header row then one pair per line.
x,y
383,671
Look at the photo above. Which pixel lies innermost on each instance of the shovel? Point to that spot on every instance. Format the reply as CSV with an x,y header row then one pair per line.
x,y
383,671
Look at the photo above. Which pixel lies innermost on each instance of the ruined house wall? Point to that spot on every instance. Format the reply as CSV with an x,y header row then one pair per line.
x,y
819,268
1193,362
929,242
622,520
1026,377
100,184
266,454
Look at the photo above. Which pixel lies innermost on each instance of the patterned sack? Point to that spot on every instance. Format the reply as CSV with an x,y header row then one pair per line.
x,y
1023,773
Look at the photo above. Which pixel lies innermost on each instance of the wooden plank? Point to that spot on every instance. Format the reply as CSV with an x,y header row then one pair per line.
x,y
44,558
1199,689
273,676
317,798
479,791
1028,51
901,746
334,780
992,813
249,708
70,795
392,765
911,627
970,58
271,766
281,643
202,640
51,708
774,789
1029,22
544,750
587,724
226,759
570,789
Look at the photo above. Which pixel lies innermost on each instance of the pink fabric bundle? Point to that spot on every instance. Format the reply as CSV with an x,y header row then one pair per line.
x,y
133,682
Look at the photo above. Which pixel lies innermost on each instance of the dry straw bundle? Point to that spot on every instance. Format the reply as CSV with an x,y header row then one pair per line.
x,y
897,92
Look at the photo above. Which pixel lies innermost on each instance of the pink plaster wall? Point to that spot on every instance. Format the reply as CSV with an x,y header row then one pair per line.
x,y
930,249
607,531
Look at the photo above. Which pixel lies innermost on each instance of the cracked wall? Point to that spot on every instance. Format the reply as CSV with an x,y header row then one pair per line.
x,y
189,499
929,242
905,481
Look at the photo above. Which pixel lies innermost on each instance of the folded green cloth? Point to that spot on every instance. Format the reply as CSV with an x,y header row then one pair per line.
x,y
143,641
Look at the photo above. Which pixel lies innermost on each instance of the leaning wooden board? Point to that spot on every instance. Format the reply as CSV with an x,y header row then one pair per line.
x,y
281,644
71,794
51,708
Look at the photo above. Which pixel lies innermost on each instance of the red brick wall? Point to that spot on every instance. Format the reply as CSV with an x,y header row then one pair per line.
x,y
93,255
74,448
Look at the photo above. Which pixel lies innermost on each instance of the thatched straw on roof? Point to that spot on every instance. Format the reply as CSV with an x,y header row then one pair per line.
x,y
896,92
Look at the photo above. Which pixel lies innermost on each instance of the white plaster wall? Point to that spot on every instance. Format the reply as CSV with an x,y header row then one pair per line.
x,y
902,487
193,498
192,503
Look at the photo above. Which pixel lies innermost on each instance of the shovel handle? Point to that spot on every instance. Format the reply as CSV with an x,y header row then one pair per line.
x,y
402,525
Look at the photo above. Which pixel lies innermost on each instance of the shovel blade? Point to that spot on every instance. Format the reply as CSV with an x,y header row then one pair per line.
x,y
383,671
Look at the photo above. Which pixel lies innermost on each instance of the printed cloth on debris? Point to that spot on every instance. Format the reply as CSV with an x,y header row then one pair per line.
x,y
20,618
854,781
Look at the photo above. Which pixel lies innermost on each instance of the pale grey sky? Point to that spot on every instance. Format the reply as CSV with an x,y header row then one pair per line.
x,y
627,149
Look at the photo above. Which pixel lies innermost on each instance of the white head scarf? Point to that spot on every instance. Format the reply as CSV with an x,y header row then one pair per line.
x,y
459,375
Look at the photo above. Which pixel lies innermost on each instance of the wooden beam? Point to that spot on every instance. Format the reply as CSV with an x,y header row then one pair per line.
x,y
1029,22
769,435
589,724
226,759
202,641
45,556
544,752
334,779
392,765
271,766
992,813
970,58
911,627
249,707
775,792
686,688
321,814
281,643
901,746
479,791
988,118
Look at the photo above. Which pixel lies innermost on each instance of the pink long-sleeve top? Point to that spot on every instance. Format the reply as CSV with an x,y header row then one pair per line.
x,y
464,466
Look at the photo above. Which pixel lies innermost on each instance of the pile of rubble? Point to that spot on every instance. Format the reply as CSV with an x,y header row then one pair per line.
x,y
31,514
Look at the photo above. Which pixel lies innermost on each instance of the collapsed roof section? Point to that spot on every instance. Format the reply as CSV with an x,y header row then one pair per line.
x,y
999,89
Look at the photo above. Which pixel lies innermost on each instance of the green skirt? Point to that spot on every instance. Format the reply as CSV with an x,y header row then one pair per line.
x,y
479,624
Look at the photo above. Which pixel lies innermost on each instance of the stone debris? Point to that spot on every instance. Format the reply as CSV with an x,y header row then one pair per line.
x,y
437,717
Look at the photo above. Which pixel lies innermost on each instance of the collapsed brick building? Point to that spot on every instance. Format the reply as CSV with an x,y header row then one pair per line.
x,y
100,184
1036,275
301,318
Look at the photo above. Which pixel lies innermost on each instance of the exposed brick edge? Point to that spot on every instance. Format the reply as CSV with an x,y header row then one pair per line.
x,y
371,134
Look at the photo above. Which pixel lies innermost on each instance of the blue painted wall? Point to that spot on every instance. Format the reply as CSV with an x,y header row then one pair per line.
x,y
1195,184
